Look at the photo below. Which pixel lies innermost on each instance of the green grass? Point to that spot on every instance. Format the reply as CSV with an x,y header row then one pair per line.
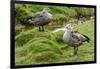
x,y
34,47
61,14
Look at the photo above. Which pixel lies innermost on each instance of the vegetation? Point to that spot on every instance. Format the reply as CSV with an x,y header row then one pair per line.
x,y
34,47
63,14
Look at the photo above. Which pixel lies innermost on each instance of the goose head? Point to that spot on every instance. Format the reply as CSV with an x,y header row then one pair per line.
x,y
45,10
68,27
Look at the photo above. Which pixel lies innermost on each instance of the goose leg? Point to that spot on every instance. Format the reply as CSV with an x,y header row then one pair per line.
x,y
42,28
74,54
39,28
75,51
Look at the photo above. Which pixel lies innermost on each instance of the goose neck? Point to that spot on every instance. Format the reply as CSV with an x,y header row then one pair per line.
x,y
69,31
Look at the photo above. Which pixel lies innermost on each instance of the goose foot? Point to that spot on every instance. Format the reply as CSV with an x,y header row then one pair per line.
x,y
73,55
41,28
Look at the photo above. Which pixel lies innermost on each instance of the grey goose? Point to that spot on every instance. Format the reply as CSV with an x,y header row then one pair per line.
x,y
74,39
41,18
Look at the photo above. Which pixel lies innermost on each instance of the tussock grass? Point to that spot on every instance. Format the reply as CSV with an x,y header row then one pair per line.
x,y
62,13
34,47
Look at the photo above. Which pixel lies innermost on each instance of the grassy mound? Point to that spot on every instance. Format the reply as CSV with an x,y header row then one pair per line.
x,y
34,47
39,48
43,46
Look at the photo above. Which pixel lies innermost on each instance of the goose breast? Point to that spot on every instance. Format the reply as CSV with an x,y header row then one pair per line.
x,y
72,38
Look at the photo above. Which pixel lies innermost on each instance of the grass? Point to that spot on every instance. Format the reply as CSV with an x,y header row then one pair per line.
x,y
34,47
61,14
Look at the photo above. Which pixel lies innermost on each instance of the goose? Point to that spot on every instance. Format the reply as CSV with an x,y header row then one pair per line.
x,y
74,39
41,18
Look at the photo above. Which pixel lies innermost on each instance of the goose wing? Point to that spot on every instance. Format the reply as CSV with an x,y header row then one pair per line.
x,y
78,37
37,15
75,38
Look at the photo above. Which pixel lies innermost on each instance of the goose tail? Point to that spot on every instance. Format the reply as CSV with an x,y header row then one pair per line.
x,y
29,19
87,39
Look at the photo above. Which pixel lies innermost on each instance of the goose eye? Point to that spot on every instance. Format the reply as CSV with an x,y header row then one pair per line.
x,y
67,27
